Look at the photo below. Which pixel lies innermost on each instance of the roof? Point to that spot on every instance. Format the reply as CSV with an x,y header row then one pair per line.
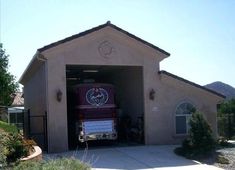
x,y
99,28
38,58
18,99
191,83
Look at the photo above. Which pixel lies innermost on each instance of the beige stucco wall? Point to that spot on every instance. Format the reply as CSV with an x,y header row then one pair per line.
x,y
85,51
169,95
158,113
35,100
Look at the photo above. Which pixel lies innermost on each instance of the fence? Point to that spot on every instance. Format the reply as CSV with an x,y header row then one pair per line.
x,y
226,125
35,127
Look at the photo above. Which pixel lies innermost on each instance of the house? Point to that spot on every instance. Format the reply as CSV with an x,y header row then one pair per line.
x,y
132,65
13,114
16,110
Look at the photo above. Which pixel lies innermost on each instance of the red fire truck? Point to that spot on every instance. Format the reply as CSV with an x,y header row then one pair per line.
x,y
95,112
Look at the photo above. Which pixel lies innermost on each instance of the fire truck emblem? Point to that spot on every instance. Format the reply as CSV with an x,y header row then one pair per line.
x,y
97,96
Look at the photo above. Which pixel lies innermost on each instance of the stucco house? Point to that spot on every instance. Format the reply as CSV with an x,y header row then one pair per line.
x,y
132,65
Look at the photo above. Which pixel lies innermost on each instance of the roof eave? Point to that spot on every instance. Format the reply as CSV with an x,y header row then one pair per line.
x,y
35,60
99,28
21,80
191,83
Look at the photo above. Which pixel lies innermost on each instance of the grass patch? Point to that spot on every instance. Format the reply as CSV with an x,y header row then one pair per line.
x,y
63,163
8,128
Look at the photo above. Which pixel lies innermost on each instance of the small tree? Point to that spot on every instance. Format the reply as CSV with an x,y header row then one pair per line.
x,y
200,133
8,86
200,140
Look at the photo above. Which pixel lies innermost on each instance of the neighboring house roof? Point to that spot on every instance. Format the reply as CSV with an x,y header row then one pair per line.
x,y
98,28
191,83
18,100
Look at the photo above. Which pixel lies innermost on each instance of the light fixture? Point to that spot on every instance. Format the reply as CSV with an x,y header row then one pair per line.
x,y
152,94
59,95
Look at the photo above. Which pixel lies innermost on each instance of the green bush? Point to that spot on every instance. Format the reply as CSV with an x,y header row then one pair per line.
x,y
8,128
4,137
15,146
200,134
12,147
3,149
64,163
200,140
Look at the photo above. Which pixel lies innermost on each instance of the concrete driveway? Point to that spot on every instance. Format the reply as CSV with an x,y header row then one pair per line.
x,y
138,157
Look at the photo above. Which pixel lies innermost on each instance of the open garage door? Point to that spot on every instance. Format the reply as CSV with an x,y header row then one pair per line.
x,y
128,85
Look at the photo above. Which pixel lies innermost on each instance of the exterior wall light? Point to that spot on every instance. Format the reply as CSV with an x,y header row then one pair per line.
x,y
59,95
152,94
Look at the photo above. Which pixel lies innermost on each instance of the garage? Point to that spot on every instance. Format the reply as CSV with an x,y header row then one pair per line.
x,y
146,98
128,97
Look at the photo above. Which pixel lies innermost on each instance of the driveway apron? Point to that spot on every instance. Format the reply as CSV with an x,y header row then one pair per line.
x,y
138,157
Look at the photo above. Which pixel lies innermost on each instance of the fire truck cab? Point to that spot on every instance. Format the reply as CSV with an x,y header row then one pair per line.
x,y
95,112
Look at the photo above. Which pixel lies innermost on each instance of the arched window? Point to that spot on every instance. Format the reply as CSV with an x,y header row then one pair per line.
x,y
182,116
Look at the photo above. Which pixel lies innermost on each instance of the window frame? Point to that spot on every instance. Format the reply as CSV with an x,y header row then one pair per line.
x,y
187,118
17,123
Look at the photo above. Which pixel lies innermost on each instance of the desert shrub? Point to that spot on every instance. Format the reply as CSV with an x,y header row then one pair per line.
x,y
222,160
28,145
63,163
15,147
12,145
200,140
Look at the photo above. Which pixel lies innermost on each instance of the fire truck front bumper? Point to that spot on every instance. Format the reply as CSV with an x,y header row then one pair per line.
x,y
97,136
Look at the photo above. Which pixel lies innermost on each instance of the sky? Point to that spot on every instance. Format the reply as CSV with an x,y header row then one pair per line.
x,y
199,34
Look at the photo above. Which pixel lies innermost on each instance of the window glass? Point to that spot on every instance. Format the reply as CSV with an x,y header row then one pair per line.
x,y
12,117
183,115
181,125
19,117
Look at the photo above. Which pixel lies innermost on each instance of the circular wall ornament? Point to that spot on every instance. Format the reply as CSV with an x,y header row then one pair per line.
x,y
106,49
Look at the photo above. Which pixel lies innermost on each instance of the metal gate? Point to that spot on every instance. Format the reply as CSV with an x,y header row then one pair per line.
x,y
35,127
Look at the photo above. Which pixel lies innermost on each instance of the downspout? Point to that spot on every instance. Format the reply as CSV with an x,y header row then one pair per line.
x,y
42,58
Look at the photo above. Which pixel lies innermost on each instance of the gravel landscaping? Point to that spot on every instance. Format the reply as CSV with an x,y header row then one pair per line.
x,y
229,154
224,157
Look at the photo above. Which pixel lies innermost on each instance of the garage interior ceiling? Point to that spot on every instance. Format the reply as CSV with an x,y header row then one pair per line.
x,y
74,72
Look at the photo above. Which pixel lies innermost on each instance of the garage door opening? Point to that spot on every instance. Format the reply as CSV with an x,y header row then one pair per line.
x,y
128,86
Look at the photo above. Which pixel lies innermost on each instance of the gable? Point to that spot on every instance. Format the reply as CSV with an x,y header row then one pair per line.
x,y
102,34
108,24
